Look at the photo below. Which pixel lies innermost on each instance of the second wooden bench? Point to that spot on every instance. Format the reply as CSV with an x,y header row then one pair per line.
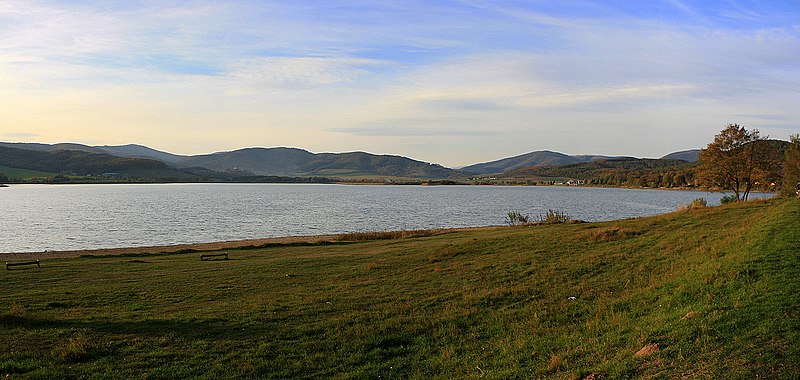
x,y
18,263
214,256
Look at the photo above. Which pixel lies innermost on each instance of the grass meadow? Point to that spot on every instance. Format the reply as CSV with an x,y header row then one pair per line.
x,y
711,292
24,174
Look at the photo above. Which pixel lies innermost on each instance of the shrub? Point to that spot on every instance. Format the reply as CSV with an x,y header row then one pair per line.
x,y
553,217
728,199
698,203
515,218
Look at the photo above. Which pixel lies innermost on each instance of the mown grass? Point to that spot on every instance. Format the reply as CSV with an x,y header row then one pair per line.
x,y
716,288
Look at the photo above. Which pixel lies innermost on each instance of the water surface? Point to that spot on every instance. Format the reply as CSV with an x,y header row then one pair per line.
x,y
36,218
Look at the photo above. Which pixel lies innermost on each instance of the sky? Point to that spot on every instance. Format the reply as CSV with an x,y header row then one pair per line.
x,y
448,82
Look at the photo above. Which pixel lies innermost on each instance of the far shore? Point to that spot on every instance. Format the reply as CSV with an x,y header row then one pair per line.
x,y
384,183
215,246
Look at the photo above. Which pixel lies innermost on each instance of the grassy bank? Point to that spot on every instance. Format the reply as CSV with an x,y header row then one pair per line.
x,y
717,289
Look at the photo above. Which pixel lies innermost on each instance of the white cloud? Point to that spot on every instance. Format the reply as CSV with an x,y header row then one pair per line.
x,y
290,73
341,75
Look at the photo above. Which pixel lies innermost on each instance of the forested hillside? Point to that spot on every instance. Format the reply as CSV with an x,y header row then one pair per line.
x,y
80,163
617,172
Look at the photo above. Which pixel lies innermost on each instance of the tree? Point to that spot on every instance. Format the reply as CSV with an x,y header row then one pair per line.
x,y
791,166
737,159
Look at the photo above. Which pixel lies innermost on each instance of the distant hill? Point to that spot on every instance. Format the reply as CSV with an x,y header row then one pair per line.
x,y
595,157
624,171
130,150
299,162
291,162
538,158
263,161
294,162
356,163
53,147
686,155
693,155
78,162
141,151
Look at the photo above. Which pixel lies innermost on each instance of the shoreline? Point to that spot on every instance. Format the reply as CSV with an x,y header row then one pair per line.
x,y
426,184
230,244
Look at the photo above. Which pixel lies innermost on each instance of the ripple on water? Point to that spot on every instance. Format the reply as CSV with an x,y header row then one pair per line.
x,y
40,217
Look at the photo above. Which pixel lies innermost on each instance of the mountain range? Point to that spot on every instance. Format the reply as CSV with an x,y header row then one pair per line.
x,y
291,162
286,162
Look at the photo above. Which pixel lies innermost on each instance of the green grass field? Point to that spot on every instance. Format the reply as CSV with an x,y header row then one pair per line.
x,y
23,174
718,289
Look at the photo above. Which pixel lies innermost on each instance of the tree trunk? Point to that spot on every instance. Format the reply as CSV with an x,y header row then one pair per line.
x,y
746,194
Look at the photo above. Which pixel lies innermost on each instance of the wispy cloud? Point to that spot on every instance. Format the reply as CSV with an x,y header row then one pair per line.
x,y
767,117
441,127
299,72
331,76
19,135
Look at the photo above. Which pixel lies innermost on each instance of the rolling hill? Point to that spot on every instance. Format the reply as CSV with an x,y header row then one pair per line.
x,y
686,155
544,157
549,158
538,158
290,162
615,172
299,162
294,162
141,151
54,147
83,163
269,161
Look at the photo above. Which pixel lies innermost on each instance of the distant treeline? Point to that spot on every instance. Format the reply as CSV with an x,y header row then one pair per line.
x,y
280,179
632,172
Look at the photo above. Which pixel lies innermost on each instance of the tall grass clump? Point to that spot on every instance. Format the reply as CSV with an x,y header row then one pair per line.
x,y
695,204
554,217
515,218
727,199
698,203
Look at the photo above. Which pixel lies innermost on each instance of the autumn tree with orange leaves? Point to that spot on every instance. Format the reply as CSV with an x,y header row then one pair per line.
x,y
738,159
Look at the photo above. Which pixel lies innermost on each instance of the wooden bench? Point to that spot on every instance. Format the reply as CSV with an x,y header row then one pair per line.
x,y
19,263
214,256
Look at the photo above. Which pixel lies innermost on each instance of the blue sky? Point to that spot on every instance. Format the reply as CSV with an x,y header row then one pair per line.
x,y
451,82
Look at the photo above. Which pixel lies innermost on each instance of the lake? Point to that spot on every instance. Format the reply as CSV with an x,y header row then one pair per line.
x,y
36,218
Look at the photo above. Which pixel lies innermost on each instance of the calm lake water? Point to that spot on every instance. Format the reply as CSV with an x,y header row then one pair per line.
x,y
36,218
